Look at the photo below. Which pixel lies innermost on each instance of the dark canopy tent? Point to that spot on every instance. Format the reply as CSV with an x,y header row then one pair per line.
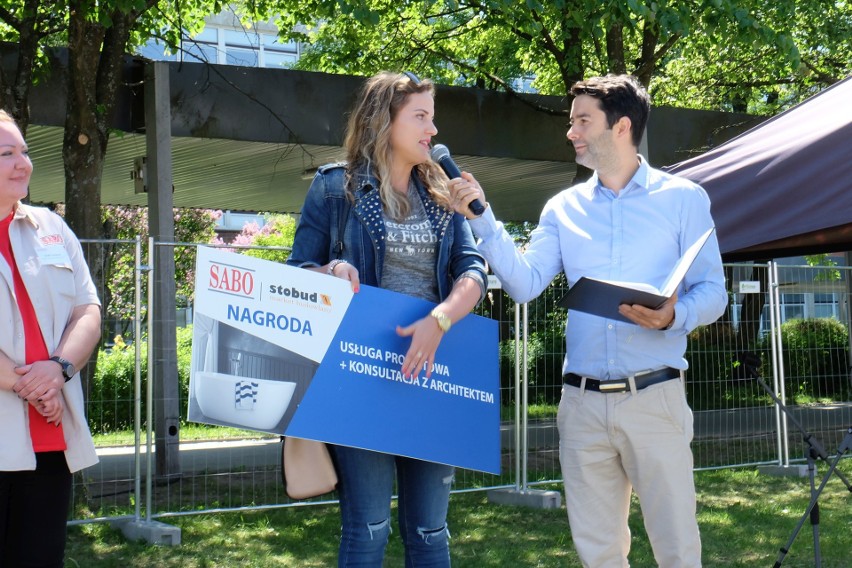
x,y
783,188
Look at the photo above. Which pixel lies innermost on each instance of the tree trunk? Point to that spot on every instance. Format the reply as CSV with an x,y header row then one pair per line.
x,y
95,62
647,58
86,136
749,322
16,93
752,308
615,49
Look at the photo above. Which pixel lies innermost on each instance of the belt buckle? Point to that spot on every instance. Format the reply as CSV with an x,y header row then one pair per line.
x,y
613,386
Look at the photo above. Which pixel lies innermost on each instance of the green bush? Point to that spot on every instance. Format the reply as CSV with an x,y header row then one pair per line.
x,y
816,364
715,379
110,399
184,359
710,351
545,353
816,357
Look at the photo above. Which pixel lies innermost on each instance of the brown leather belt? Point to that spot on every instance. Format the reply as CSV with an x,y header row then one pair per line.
x,y
641,380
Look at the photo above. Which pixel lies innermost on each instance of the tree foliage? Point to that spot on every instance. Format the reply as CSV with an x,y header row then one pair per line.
x,y
756,55
827,274
279,231
126,223
740,66
98,34
31,26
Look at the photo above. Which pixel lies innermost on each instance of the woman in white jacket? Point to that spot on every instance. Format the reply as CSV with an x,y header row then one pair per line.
x,y
50,322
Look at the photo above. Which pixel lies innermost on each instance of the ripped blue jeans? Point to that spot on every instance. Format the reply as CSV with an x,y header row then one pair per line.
x,y
365,486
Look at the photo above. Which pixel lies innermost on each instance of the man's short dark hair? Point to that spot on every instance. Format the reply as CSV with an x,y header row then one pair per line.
x,y
619,95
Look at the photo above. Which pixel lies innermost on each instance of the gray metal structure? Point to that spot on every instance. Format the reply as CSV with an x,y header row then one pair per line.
x,y
249,138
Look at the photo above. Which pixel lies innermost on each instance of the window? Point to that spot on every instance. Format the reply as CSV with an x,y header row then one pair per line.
x,y
276,53
792,306
203,47
156,52
230,46
825,306
278,59
244,56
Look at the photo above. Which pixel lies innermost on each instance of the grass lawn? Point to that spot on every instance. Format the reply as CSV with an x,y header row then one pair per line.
x,y
745,519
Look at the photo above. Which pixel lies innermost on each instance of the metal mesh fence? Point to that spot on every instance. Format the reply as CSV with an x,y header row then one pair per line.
x,y
784,324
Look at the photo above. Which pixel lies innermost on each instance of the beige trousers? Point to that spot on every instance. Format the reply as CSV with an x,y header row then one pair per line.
x,y
611,444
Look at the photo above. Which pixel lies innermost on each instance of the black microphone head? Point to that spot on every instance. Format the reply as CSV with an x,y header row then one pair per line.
x,y
439,152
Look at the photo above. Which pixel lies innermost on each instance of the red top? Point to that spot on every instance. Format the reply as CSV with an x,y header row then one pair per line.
x,y
46,437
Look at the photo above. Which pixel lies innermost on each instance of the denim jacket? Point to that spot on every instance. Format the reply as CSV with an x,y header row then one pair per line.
x,y
331,227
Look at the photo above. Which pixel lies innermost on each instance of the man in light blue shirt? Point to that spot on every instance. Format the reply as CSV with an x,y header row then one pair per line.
x,y
623,420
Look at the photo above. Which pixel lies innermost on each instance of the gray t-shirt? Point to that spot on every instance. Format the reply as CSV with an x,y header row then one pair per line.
x,y
411,249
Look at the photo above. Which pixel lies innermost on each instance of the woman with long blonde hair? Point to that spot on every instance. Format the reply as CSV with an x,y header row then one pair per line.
x,y
360,222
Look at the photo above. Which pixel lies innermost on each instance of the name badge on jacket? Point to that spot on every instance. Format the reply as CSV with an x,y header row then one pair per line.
x,y
53,252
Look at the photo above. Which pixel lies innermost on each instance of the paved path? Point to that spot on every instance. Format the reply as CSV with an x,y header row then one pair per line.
x,y
117,464
719,424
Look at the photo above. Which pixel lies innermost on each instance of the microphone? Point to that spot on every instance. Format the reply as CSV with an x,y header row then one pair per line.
x,y
441,154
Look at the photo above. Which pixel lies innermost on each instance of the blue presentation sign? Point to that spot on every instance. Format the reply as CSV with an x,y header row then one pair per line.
x,y
291,351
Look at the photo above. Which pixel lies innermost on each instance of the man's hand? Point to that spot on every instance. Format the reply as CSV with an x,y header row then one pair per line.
x,y
661,318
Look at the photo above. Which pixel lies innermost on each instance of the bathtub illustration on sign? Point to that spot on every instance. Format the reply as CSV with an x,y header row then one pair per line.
x,y
240,380
243,401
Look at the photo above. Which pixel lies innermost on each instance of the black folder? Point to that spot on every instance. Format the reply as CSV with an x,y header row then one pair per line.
x,y
602,297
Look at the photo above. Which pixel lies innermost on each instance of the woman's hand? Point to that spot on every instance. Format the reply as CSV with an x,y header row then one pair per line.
x,y
464,190
425,338
345,271
41,380
52,409
426,335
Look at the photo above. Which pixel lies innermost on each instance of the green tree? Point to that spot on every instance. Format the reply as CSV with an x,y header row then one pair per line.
x,y
98,35
278,231
688,46
723,68
126,223
827,274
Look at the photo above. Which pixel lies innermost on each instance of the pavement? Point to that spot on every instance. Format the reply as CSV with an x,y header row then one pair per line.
x,y
117,464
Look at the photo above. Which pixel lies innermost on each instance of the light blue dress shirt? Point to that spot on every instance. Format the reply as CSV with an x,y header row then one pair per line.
x,y
636,235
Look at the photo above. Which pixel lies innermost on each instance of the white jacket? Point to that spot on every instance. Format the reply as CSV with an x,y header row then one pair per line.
x,y
50,261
